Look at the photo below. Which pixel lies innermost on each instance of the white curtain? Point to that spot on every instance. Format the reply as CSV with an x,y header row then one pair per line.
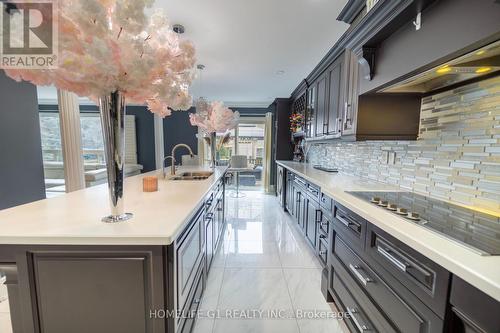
x,y
268,151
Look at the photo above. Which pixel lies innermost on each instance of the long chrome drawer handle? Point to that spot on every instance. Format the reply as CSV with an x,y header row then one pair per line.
x,y
399,264
355,269
361,327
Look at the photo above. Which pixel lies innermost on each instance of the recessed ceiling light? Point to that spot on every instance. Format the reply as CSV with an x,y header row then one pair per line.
x,y
480,52
483,70
443,70
280,72
178,28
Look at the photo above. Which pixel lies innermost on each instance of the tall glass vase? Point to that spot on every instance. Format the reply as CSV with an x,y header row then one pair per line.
x,y
112,109
213,151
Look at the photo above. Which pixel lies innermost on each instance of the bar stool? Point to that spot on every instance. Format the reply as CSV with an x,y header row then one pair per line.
x,y
238,163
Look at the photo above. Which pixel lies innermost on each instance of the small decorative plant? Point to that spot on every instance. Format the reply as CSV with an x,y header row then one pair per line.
x,y
296,122
212,118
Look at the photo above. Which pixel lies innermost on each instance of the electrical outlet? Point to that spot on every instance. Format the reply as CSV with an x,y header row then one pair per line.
x,y
392,158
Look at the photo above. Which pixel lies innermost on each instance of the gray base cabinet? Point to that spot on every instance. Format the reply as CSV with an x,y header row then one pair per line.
x,y
114,289
383,284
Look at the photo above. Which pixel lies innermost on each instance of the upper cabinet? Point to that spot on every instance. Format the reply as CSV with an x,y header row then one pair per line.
x,y
359,90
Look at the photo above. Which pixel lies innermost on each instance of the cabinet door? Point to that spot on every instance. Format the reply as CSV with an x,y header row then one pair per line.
x,y
311,221
336,96
289,194
209,239
15,299
298,207
311,112
219,220
351,101
188,256
321,104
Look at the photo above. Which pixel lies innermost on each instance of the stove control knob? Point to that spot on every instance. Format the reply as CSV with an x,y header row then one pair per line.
x,y
375,200
402,211
383,203
392,206
413,216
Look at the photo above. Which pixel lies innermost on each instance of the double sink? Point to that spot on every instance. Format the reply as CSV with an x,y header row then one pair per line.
x,y
199,175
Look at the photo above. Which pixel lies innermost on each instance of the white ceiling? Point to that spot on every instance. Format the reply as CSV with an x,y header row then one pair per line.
x,y
244,43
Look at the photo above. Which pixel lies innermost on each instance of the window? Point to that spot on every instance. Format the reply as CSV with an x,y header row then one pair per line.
x,y
92,140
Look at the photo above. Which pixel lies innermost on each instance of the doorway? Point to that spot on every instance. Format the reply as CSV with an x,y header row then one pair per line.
x,y
250,138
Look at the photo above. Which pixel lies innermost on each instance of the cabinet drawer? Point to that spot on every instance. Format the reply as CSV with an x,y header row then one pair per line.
x,y
300,182
326,203
313,192
351,226
323,249
402,308
423,277
187,323
324,225
472,308
364,316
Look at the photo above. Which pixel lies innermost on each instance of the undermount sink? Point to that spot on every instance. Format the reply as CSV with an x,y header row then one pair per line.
x,y
202,175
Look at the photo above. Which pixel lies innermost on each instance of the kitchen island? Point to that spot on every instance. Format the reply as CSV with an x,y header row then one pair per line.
x,y
66,271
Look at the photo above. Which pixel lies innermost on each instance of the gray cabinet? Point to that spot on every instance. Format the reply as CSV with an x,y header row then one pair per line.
x,y
321,117
350,102
311,220
336,96
409,290
333,99
209,239
310,122
188,257
79,289
472,311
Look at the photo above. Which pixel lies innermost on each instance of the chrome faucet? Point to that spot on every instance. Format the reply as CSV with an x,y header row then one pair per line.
x,y
163,165
172,170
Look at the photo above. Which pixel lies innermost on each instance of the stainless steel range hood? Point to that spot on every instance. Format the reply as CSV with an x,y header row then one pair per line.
x,y
480,62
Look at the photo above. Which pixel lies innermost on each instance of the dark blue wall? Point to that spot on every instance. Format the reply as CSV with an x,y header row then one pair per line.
x,y
21,166
144,125
177,129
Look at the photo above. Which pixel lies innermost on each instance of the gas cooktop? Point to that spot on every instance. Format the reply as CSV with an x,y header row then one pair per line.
x,y
476,230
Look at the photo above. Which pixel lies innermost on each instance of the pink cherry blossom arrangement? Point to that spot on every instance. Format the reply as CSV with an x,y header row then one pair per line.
x,y
213,117
110,45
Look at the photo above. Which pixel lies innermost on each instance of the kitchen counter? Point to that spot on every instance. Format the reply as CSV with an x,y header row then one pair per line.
x,y
75,218
483,272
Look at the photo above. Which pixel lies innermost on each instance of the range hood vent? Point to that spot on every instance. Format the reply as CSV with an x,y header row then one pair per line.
x,y
481,62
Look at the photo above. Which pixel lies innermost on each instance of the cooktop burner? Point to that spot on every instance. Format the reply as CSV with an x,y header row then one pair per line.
x,y
476,230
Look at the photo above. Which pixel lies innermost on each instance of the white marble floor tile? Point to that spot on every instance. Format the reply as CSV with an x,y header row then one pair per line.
x,y
320,326
252,254
4,306
211,293
5,324
255,326
295,254
264,263
249,289
304,286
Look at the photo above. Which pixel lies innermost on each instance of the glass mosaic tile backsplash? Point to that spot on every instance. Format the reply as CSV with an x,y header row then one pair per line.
x,y
457,155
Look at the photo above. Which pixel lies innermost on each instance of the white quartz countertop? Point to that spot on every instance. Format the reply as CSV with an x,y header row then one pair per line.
x,y
483,272
75,218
